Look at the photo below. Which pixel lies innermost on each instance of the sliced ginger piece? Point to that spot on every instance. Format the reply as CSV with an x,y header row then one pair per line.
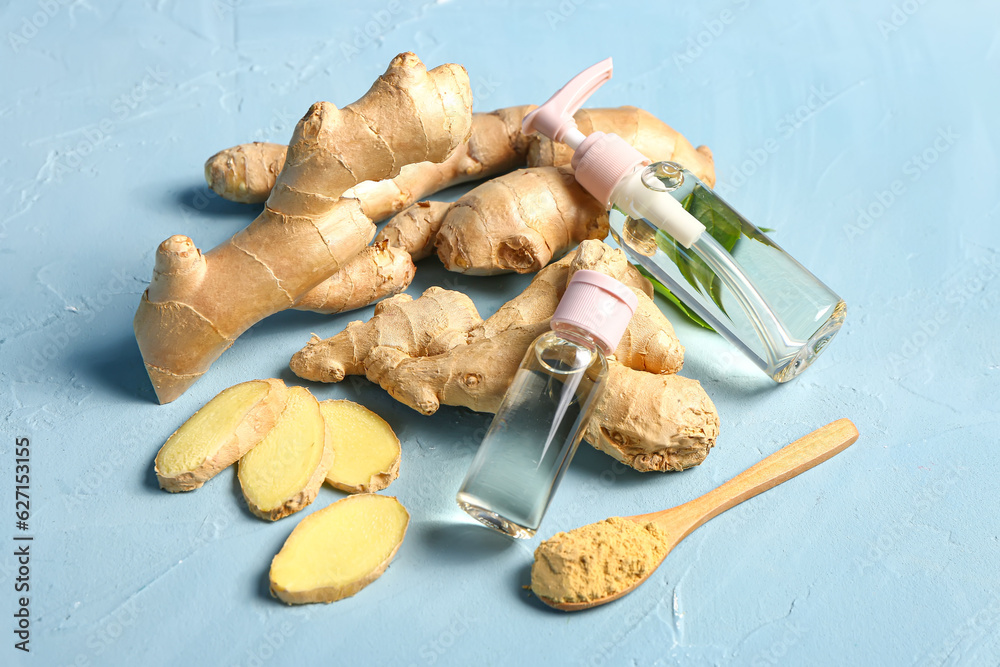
x,y
335,552
283,473
221,432
366,451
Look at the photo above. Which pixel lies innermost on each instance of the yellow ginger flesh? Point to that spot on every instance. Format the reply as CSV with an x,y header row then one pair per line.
x,y
207,429
366,451
216,436
337,551
282,466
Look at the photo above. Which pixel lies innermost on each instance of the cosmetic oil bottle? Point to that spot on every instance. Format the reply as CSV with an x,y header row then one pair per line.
x,y
544,413
715,261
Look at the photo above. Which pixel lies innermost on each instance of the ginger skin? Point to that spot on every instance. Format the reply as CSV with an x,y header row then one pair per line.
x,y
415,228
436,350
384,268
198,304
519,222
246,173
378,271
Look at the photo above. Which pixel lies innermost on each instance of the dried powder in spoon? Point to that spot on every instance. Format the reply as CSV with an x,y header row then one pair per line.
x,y
595,561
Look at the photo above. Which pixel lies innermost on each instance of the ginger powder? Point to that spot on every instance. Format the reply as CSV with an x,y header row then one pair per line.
x,y
596,561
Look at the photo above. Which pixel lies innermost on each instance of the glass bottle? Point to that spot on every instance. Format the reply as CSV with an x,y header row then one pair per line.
x,y
544,413
733,276
717,263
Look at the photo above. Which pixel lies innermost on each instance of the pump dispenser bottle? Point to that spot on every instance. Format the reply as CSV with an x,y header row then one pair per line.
x,y
544,413
719,264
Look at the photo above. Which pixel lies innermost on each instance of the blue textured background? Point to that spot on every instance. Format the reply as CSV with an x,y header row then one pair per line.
x,y
864,132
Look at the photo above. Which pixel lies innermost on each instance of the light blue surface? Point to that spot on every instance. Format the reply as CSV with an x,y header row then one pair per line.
x,y
886,554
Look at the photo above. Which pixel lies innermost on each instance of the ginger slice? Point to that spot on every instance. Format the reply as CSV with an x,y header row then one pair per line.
x,y
335,552
366,451
216,436
283,473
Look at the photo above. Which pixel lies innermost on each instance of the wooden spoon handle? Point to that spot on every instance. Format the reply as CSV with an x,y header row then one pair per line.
x,y
784,464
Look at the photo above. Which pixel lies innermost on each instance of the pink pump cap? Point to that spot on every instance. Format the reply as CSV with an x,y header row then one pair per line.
x,y
555,117
601,160
599,305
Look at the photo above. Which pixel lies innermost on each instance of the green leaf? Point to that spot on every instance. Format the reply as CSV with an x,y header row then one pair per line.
x,y
726,226
686,263
665,292
720,221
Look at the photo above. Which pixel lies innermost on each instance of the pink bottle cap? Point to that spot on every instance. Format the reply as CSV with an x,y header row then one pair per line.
x,y
602,161
597,304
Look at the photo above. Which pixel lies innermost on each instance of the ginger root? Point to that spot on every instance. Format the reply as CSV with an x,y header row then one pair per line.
x,y
378,271
198,304
436,350
283,473
246,173
518,222
415,228
335,552
365,450
218,434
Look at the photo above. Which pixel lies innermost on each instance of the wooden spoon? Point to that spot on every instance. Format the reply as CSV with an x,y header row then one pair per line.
x,y
679,522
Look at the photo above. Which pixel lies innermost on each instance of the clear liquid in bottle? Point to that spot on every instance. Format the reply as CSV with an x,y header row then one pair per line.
x,y
534,434
734,277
